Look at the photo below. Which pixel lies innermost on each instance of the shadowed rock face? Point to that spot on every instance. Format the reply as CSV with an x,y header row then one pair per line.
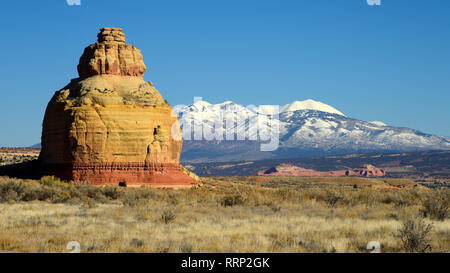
x,y
109,125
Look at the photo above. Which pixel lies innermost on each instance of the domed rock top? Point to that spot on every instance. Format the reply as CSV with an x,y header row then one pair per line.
x,y
112,56
111,34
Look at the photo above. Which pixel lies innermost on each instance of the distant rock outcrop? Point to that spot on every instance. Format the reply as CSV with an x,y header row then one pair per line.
x,y
109,126
291,170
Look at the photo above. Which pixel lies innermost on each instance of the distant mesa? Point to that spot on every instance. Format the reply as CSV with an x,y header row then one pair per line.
x,y
291,170
109,126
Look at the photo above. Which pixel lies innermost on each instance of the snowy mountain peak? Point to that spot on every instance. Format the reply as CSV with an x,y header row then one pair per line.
x,y
310,105
378,123
202,103
299,105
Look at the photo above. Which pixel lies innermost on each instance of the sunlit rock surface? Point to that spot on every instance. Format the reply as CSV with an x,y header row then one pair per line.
x,y
109,126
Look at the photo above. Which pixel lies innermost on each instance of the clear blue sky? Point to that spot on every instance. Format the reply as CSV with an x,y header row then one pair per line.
x,y
389,63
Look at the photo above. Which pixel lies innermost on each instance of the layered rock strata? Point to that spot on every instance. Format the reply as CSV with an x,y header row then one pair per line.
x,y
109,126
291,170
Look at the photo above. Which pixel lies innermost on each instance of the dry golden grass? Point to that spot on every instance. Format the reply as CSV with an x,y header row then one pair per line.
x,y
224,215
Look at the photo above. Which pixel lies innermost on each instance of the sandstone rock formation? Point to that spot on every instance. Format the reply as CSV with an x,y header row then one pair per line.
x,y
290,170
109,126
367,171
110,55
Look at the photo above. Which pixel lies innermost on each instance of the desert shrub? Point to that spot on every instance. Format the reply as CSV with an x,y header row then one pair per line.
x,y
281,241
186,247
137,242
11,191
365,196
415,235
174,197
76,195
331,249
35,191
111,192
232,200
60,197
49,181
309,246
285,194
332,199
436,205
95,193
275,208
168,216
88,203
146,193
317,194
143,214
9,196
45,193
129,200
133,199
199,195
397,198
415,194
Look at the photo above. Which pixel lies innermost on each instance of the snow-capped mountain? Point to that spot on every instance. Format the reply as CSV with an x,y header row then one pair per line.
x,y
300,105
306,128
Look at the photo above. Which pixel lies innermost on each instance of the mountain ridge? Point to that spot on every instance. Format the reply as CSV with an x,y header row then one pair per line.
x,y
302,133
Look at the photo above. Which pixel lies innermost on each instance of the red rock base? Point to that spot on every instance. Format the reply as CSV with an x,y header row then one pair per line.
x,y
124,174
